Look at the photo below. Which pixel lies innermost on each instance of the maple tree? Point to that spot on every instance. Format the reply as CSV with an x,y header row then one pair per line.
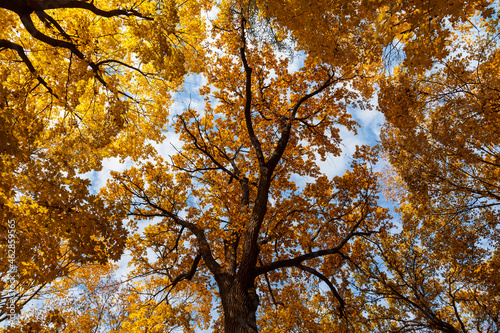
x,y
80,82
242,218
442,141
441,104
91,299
228,214
438,280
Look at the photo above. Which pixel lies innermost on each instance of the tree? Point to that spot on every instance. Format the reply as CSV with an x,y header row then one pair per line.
x,y
87,299
227,214
440,136
242,215
435,280
437,274
80,81
90,299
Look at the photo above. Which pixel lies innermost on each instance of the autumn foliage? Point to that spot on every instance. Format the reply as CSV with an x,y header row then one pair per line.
x,y
242,229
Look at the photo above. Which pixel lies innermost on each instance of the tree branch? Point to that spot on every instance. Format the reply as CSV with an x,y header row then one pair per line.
x,y
188,275
295,261
26,7
24,10
248,98
204,150
271,291
311,255
30,27
50,21
5,44
328,283
50,4
199,233
107,61
285,134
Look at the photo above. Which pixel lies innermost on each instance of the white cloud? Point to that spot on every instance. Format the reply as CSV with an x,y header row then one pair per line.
x,y
370,121
99,178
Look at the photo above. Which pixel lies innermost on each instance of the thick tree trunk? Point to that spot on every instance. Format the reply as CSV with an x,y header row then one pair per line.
x,y
240,306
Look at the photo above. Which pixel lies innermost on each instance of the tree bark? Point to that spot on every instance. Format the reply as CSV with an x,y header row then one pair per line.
x,y
240,305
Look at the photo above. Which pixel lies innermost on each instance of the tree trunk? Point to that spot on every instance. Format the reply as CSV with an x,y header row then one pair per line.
x,y
240,306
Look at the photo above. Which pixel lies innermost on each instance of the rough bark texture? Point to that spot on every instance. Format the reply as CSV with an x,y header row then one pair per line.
x,y
240,305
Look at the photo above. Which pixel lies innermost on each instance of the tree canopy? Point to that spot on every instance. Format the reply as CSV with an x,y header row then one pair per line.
x,y
242,229
80,82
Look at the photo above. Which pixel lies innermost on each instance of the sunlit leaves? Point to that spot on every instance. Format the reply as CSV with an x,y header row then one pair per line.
x,y
81,82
